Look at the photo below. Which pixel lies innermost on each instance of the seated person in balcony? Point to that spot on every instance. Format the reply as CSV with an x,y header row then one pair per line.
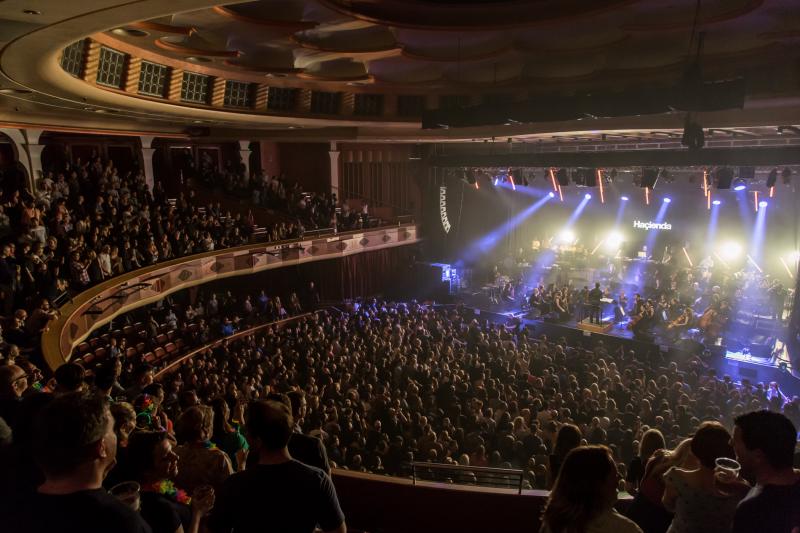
x,y
74,463
275,494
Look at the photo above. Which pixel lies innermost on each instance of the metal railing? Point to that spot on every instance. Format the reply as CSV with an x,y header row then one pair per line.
x,y
502,478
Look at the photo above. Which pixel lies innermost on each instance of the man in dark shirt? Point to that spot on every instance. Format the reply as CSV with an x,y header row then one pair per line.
x,y
593,298
75,446
764,443
279,493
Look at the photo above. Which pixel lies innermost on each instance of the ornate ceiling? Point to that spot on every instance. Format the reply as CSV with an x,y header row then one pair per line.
x,y
434,48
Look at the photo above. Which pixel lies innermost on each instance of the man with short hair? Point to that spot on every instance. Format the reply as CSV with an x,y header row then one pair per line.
x,y
75,446
13,383
279,493
764,443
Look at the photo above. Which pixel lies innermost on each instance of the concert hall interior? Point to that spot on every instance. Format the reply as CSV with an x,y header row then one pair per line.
x,y
399,266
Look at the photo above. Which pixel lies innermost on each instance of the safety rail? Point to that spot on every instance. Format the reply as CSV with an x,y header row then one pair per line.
x,y
501,478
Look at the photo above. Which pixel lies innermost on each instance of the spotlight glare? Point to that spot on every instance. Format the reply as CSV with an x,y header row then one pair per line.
x,y
566,236
716,202
740,187
795,256
587,196
667,200
552,194
624,198
763,203
614,241
730,250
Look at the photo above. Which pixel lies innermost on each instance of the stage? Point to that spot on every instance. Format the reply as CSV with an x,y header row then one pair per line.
x,y
740,364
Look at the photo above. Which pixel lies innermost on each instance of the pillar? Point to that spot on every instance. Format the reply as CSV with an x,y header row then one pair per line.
x,y
34,150
244,153
334,154
21,148
147,159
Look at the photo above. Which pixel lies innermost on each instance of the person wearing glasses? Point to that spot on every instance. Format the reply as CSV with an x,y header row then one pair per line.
x,y
13,383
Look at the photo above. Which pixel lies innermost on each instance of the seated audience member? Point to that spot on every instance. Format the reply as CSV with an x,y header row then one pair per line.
x,y
75,446
202,463
583,497
691,493
13,382
142,377
166,508
275,494
765,442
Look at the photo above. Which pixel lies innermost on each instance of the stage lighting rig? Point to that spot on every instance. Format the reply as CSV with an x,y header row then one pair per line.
x,y
772,178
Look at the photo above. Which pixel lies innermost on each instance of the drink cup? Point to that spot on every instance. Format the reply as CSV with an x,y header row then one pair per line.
x,y
127,493
728,468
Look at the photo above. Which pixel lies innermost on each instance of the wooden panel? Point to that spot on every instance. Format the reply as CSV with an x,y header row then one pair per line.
x,y
131,84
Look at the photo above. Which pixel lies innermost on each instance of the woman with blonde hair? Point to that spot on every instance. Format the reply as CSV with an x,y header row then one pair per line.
x,y
202,463
583,497
646,509
652,441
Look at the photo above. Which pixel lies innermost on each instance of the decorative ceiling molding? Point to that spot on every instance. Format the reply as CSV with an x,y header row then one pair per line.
x,y
191,51
528,48
419,14
289,25
163,28
262,68
319,47
703,20
425,56
367,78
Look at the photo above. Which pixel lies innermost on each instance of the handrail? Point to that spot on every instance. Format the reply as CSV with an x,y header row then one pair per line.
x,y
98,305
236,336
491,477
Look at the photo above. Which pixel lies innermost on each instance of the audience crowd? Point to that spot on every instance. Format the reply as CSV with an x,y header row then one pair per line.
x,y
379,386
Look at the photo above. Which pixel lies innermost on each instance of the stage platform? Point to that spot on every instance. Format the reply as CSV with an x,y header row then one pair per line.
x,y
738,365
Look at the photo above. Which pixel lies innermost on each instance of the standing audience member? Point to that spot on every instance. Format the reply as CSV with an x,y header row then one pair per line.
x,y
691,493
276,493
75,446
166,508
202,463
584,495
567,439
765,442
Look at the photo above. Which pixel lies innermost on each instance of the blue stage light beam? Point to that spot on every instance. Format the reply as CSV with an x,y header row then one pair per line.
x,y
634,274
711,232
759,232
488,242
548,255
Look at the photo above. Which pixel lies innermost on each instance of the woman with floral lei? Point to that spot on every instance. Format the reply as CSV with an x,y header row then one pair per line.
x,y
165,507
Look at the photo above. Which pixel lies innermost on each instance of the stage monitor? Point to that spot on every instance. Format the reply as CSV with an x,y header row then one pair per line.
x,y
649,177
563,177
724,177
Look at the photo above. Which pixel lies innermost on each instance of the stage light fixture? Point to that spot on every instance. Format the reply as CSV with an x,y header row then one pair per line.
x,y
566,236
740,185
649,177
551,194
730,250
763,203
624,198
563,177
667,200
724,177
469,177
587,196
772,178
716,202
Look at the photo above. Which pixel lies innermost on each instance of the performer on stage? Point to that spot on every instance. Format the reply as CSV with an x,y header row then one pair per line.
x,y
595,311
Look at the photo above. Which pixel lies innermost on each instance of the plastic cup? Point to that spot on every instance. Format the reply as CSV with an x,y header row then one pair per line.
x,y
128,493
730,468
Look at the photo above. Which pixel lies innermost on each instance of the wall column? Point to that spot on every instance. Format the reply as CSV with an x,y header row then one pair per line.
x,y
34,150
21,147
147,159
244,153
334,154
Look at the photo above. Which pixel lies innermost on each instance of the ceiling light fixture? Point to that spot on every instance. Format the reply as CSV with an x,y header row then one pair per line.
x,y
31,12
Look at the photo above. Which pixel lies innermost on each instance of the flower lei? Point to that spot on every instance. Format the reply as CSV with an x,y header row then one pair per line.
x,y
208,445
167,488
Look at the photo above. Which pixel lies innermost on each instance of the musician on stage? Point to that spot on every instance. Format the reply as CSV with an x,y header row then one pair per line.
x,y
682,323
595,310
642,322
